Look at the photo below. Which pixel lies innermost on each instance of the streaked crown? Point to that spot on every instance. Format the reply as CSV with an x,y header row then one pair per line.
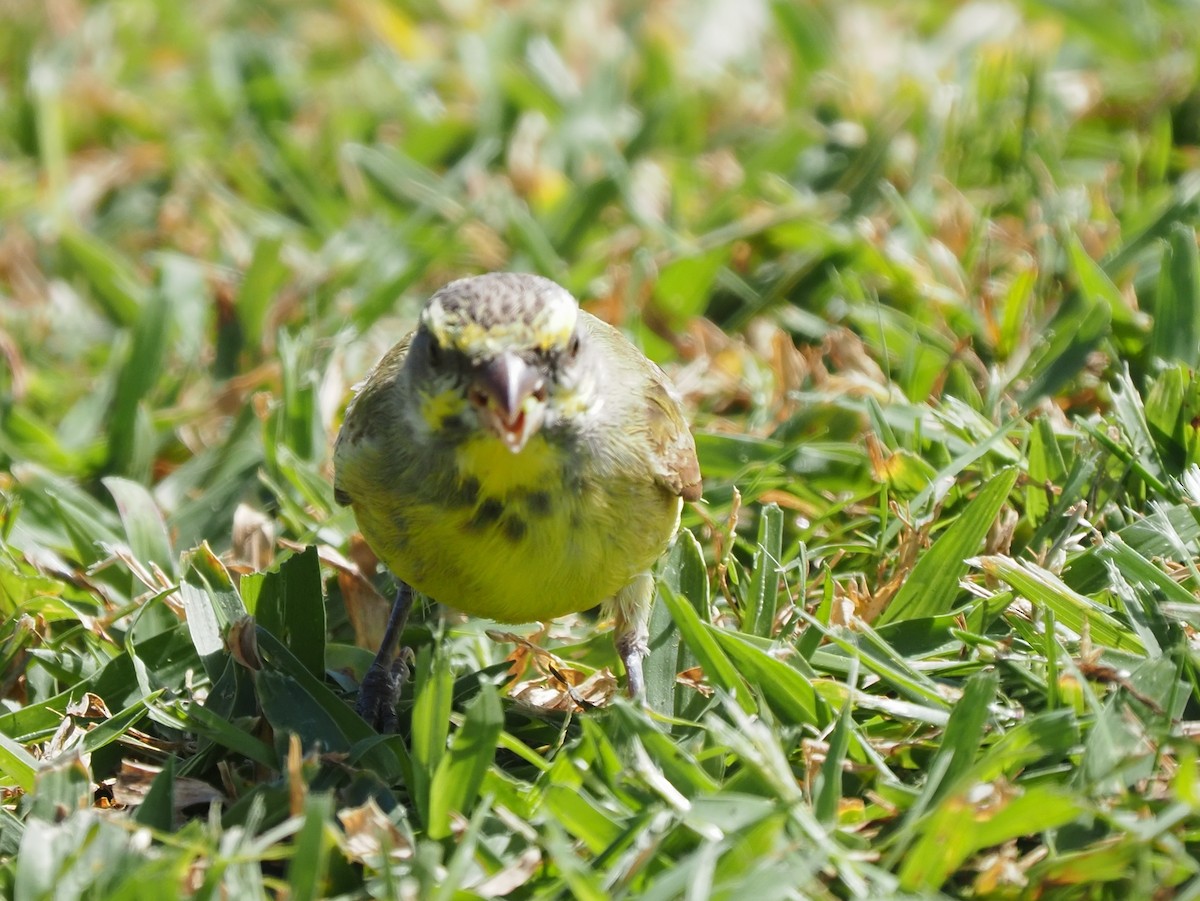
x,y
487,314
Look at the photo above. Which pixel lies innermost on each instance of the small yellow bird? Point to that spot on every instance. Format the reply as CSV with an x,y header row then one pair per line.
x,y
515,458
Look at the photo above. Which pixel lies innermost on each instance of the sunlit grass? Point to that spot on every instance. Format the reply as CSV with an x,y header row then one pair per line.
x,y
927,277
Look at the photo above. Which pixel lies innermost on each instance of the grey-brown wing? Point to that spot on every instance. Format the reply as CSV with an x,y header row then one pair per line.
x,y
652,401
367,413
675,465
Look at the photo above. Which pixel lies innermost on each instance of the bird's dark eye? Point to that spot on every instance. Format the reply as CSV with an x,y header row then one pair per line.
x,y
573,347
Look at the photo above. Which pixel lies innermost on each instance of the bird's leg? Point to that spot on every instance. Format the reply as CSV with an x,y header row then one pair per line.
x,y
380,687
631,608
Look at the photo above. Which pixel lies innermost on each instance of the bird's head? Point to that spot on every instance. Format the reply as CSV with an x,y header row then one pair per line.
x,y
498,354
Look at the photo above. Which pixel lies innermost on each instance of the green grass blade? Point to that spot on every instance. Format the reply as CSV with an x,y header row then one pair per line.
x,y
213,727
118,724
212,605
145,528
1175,333
1137,443
959,828
310,861
1044,589
759,617
1044,736
460,773
1095,284
128,430
263,277
683,572
964,734
580,815
948,475
288,601
113,279
828,793
932,587
699,637
1075,332
434,685
789,693
157,810
18,765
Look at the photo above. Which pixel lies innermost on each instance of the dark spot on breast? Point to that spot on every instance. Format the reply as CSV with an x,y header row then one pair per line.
x,y
538,503
342,497
486,514
468,492
514,528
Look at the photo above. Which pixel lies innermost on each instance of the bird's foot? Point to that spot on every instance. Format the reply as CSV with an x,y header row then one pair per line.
x,y
631,648
380,690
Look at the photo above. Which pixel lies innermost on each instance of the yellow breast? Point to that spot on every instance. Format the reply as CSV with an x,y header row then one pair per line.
x,y
522,538
500,473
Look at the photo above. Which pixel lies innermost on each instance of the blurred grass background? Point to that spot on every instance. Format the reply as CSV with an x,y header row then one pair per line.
x,y
927,276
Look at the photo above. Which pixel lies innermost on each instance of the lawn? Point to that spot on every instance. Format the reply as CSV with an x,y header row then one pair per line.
x,y
927,278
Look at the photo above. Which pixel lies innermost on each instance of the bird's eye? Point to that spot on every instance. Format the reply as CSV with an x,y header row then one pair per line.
x,y
573,348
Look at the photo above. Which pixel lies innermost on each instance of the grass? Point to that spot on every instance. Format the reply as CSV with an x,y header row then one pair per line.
x,y
927,276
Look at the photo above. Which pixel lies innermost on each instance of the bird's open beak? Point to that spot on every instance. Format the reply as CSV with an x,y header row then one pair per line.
x,y
510,396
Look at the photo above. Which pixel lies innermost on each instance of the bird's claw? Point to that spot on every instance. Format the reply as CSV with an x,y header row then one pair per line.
x,y
380,690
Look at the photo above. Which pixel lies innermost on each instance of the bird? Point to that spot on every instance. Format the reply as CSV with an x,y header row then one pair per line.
x,y
518,459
